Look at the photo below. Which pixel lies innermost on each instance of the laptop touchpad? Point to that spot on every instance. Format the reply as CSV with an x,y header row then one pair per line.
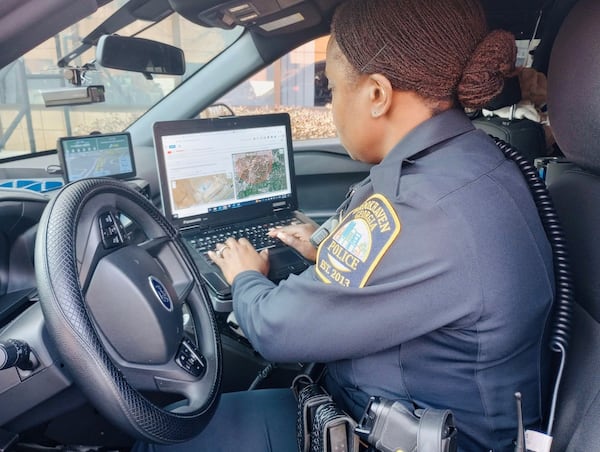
x,y
283,261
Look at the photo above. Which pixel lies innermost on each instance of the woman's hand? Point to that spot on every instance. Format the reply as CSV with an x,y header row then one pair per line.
x,y
297,236
236,256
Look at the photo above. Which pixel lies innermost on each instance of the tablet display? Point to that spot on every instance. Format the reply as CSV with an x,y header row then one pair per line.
x,y
102,155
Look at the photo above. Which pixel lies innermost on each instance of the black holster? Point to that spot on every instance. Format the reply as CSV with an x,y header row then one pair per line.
x,y
390,426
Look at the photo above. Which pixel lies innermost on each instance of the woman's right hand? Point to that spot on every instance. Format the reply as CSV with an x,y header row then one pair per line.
x,y
297,236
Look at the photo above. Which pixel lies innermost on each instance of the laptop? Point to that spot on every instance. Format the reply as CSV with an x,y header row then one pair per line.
x,y
230,176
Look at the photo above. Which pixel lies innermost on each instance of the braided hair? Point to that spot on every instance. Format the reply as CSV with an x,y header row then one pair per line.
x,y
440,49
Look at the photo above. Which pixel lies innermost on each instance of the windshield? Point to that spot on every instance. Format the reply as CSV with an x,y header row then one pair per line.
x,y
28,126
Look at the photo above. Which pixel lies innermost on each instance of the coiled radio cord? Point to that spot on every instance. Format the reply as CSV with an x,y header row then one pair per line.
x,y
562,314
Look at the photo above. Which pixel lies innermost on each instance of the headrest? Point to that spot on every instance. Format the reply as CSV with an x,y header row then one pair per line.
x,y
510,95
574,86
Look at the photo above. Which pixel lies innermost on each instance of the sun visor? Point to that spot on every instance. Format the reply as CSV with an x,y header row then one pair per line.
x,y
264,16
27,23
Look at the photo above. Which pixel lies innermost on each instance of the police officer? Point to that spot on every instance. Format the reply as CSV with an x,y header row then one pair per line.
x,y
435,286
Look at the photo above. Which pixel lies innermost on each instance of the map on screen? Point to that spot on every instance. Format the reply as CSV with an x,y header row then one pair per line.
x,y
96,156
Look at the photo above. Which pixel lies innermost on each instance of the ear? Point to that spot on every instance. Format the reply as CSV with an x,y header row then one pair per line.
x,y
380,94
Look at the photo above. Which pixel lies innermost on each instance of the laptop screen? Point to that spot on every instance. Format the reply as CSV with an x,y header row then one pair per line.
x,y
215,171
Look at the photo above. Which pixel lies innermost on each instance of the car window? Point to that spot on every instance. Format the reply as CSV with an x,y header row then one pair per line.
x,y
28,126
296,84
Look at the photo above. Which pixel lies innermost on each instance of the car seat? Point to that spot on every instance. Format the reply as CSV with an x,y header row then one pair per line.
x,y
574,109
525,135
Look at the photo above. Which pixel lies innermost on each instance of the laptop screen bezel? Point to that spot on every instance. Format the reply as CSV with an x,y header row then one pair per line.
x,y
240,214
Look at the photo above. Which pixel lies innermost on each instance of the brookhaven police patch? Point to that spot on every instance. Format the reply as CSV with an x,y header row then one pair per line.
x,y
352,251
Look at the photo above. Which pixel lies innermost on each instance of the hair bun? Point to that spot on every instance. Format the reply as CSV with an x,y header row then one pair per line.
x,y
492,61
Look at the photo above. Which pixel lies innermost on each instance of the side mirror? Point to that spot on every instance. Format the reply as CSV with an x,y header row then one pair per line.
x,y
139,55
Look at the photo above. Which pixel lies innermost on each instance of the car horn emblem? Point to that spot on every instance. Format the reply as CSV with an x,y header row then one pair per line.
x,y
161,293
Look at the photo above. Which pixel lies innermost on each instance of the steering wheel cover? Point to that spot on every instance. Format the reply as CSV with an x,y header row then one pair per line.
x,y
70,326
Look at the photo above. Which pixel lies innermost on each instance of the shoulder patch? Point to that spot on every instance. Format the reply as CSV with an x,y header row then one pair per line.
x,y
354,248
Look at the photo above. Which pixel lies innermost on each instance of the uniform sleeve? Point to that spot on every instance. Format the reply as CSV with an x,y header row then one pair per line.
x,y
418,285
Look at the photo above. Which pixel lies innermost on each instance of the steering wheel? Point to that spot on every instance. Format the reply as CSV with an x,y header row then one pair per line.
x,y
129,316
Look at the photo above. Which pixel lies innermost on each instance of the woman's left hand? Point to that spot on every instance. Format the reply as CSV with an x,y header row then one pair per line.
x,y
236,256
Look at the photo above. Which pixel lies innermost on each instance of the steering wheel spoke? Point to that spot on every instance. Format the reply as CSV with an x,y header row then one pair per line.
x,y
181,376
164,250
116,308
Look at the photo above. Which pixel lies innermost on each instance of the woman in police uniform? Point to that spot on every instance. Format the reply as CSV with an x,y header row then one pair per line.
x,y
435,286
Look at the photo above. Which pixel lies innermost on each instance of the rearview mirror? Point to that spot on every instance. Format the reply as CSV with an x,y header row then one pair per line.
x,y
139,55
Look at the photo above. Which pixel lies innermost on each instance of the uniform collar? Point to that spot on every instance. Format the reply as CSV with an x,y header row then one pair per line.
x,y
386,175
435,130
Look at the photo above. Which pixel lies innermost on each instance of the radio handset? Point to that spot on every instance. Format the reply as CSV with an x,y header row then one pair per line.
x,y
324,230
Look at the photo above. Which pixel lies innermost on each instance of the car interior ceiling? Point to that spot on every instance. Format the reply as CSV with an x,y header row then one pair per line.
x,y
577,180
521,18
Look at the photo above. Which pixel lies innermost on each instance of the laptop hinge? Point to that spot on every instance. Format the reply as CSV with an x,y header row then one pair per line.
x,y
283,212
279,206
196,227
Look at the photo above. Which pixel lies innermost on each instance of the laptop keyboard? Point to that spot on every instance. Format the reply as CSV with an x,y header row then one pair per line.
x,y
255,234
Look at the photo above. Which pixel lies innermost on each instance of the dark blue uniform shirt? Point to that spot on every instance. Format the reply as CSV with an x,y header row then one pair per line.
x,y
434,289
